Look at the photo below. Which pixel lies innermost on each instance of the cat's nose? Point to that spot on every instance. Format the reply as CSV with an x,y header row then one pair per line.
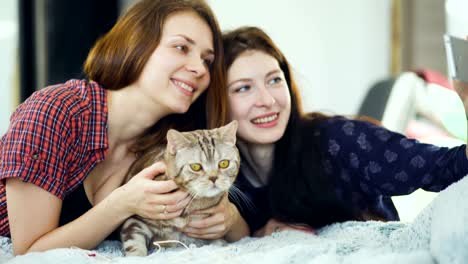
x,y
213,178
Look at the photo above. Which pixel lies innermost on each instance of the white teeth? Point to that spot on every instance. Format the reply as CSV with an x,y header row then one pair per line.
x,y
265,119
184,86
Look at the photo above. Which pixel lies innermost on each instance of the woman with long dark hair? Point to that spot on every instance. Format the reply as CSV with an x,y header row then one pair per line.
x,y
307,170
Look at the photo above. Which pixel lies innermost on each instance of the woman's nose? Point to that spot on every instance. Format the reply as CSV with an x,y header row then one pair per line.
x,y
264,98
197,66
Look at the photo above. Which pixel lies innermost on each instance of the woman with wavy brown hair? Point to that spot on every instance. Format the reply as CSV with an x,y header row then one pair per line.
x,y
307,170
68,146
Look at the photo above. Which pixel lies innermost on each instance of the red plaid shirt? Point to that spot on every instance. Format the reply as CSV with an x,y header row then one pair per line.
x,y
54,140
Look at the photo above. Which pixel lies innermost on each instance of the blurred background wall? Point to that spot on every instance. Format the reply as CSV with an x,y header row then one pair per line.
x,y
338,49
8,61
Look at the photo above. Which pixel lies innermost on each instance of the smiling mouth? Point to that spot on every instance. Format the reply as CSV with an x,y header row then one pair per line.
x,y
184,86
265,119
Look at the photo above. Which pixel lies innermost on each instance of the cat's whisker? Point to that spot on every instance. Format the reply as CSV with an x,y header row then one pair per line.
x,y
192,193
236,198
236,194
190,202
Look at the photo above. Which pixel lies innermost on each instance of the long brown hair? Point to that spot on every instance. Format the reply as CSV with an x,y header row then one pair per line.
x,y
118,58
298,189
245,39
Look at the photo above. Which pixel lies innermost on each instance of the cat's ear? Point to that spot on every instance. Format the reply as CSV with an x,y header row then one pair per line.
x,y
175,140
228,132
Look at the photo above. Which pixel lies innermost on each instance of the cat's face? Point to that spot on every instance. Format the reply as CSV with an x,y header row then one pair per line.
x,y
203,162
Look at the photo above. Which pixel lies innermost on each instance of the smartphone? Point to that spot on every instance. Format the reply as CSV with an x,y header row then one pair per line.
x,y
457,57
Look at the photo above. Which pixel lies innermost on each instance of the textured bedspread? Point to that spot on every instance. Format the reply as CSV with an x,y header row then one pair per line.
x,y
438,235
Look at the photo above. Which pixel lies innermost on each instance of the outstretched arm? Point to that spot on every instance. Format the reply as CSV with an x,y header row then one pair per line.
x,y
462,90
274,225
34,213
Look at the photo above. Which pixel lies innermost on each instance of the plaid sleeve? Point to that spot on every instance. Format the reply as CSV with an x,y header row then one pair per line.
x,y
37,143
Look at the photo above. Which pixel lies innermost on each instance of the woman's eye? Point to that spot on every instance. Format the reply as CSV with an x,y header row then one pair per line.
x,y
208,62
275,80
182,48
242,89
196,166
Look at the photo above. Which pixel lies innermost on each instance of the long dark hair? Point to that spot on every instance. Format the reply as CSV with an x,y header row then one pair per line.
x,y
118,58
299,190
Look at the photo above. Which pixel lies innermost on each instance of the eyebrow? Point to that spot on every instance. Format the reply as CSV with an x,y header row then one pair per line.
x,y
239,80
191,41
272,72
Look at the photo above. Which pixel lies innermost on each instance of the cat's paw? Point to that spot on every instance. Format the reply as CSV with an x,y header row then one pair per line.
x,y
135,252
180,222
219,242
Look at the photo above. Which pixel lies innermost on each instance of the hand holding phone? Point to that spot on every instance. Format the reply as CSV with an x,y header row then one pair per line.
x,y
457,57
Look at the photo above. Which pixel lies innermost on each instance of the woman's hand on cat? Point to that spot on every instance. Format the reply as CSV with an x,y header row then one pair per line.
x,y
151,199
274,225
218,222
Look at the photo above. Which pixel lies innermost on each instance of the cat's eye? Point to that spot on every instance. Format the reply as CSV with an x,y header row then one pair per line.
x,y
223,164
196,166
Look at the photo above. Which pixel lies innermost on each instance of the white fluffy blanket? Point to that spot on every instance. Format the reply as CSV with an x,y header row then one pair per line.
x,y
438,235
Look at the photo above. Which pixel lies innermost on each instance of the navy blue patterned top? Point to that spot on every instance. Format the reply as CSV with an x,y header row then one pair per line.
x,y
368,164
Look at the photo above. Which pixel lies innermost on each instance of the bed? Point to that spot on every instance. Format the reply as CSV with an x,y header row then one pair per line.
x,y
439,234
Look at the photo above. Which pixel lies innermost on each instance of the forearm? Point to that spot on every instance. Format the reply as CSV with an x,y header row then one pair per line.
x,y
87,231
239,228
462,90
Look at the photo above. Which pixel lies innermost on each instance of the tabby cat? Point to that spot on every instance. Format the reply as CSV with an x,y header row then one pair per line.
x,y
204,163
